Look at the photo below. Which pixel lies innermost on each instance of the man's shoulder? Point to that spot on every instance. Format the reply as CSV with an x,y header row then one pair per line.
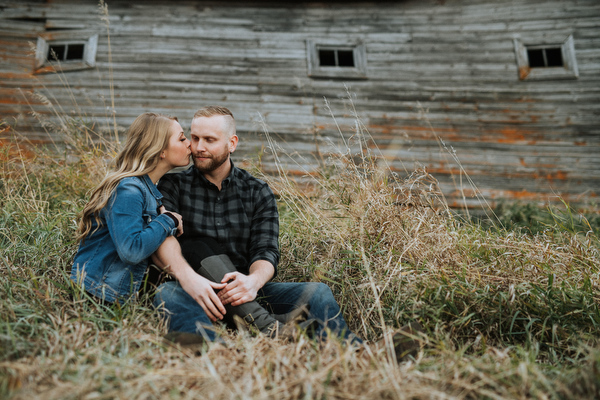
x,y
176,177
247,178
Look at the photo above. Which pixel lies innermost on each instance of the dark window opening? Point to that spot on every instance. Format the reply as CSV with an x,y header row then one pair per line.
x,y
536,58
75,52
66,52
327,58
554,57
56,52
336,58
545,57
346,58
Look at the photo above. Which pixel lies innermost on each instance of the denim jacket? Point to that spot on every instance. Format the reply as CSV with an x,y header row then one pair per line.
x,y
111,262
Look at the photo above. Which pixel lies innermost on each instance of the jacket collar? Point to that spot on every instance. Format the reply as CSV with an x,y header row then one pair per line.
x,y
152,188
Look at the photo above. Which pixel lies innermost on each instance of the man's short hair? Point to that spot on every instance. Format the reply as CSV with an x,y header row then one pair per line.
x,y
211,111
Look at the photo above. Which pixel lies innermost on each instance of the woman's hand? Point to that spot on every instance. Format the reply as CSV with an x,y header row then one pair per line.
x,y
180,225
163,210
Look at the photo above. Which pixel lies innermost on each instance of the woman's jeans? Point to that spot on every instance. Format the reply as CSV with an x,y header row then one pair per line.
x,y
184,314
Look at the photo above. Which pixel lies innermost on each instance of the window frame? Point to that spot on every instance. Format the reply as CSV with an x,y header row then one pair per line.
x,y
315,70
569,69
88,39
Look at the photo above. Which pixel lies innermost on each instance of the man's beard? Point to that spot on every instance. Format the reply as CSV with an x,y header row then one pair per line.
x,y
213,163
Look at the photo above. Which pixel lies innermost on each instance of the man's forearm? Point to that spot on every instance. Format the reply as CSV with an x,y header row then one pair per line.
x,y
262,272
169,257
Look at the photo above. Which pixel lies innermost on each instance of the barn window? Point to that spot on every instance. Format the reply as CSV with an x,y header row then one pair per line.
x,y
65,51
336,60
544,57
537,61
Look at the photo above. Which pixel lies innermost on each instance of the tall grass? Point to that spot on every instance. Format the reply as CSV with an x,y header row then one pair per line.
x,y
507,313
487,287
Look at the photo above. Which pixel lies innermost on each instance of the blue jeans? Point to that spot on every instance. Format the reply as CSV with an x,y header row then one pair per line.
x,y
185,314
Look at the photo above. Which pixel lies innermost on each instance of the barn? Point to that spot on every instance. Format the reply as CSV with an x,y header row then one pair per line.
x,y
504,91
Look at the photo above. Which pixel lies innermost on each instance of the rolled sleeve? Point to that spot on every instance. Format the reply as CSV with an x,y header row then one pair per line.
x,y
264,237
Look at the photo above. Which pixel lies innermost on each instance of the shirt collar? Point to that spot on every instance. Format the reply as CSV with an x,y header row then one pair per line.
x,y
232,174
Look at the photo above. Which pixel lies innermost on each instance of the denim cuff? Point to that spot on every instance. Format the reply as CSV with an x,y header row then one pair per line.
x,y
167,223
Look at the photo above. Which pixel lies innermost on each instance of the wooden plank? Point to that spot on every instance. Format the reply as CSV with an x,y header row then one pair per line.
x,y
448,67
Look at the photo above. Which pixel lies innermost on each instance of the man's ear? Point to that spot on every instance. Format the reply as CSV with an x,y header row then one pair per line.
x,y
233,141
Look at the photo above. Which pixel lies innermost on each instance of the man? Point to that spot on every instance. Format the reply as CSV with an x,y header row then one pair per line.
x,y
230,221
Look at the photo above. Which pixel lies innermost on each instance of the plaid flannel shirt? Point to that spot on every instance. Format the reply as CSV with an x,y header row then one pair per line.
x,y
242,216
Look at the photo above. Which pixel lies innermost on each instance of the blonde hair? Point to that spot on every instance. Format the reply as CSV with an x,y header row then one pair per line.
x,y
147,137
211,111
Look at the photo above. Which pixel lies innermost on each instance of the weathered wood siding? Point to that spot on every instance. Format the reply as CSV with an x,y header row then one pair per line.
x,y
443,67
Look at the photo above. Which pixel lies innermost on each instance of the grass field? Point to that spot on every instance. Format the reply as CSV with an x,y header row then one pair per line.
x,y
507,312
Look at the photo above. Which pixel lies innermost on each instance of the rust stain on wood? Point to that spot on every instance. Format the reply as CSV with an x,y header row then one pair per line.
x,y
511,135
508,133
524,72
14,75
9,150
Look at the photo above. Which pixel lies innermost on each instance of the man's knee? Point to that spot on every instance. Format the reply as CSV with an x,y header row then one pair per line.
x,y
182,313
321,291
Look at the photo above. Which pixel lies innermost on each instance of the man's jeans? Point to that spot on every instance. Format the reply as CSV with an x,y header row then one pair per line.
x,y
185,314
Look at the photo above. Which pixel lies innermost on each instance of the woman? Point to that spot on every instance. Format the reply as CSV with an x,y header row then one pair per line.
x,y
124,221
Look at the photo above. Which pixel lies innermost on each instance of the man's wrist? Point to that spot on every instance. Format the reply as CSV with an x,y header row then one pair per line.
x,y
261,272
256,282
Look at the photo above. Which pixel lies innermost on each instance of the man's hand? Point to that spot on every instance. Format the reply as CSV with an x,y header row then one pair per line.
x,y
203,291
240,288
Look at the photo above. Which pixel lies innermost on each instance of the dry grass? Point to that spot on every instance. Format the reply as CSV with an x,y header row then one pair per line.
x,y
507,314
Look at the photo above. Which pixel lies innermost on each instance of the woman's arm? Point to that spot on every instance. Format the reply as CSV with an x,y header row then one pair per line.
x,y
124,216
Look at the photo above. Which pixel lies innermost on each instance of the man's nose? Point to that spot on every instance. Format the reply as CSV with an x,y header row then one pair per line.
x,y
198,146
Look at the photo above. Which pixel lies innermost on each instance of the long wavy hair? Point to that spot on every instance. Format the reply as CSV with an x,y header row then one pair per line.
x,y
147,137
